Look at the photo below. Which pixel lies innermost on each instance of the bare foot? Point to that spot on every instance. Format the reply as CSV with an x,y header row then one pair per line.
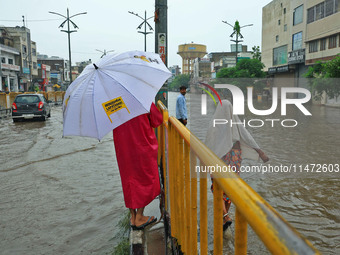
x,y
141,219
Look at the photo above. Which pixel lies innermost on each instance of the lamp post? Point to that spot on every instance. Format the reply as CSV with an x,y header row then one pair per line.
x,y
145,22
237,32
68,31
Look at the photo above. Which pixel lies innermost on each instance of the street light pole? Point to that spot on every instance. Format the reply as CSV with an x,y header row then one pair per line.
x,y
237,32
68,31
145,22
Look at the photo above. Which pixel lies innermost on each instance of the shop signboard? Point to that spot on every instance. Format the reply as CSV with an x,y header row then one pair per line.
x,y
26,70
296,57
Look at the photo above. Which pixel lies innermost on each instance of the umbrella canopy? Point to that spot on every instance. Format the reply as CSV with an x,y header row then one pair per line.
x,y
112,91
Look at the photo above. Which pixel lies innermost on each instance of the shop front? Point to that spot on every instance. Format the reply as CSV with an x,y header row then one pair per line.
x,y
9,78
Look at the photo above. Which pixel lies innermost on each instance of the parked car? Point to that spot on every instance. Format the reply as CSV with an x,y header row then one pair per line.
x,y
30,106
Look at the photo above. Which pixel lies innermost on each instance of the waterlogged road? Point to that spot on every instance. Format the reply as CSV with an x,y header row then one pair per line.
x,y
57,195
308,200
63,195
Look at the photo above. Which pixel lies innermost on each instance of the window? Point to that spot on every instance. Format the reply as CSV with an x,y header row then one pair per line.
x,y
277,38
298,15
313,46
297,41
332,43
24,49
10,61
319,11
3,60
279,22
34,52
285,27
322,10
280,55
329,5
284,10
323,43
310,15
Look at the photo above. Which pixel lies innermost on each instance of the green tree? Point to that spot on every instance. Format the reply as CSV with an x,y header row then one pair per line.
x,y
245,68
240,74
179,80
256,52
324,78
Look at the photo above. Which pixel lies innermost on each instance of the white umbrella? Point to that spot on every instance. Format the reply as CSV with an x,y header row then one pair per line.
x,y
112,91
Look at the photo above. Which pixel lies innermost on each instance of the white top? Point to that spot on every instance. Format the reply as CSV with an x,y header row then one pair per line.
x,y
220,139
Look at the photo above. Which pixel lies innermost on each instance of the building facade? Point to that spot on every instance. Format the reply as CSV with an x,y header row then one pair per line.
x,y
297,33
9,70
20,39
202,68
175,70
228,59
59,72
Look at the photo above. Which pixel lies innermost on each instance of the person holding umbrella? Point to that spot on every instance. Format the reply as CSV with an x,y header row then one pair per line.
x,y
117,93
136,150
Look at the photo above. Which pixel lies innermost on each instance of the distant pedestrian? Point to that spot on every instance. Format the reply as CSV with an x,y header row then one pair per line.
x,y
181,106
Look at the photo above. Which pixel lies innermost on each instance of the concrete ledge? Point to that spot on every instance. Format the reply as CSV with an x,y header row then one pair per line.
x,y
150,240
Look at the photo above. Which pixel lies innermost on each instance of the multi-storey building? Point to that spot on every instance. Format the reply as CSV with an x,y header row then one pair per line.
x,y
9,70
228,59
21,39
175,70
297,33
59,68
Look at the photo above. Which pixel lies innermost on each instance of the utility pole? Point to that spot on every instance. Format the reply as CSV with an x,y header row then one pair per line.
x,y
161,42
237,32
68,31
145,22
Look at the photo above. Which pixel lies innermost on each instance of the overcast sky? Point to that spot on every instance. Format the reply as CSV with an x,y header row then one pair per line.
x,y
108,25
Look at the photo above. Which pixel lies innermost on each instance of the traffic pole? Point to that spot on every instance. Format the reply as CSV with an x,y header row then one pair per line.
x,y
161,42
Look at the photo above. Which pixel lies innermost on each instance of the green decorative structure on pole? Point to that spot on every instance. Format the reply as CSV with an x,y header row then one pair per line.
x,y
237,32
68,31
145,22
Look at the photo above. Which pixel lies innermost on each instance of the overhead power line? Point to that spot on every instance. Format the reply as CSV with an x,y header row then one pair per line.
x,y
33,20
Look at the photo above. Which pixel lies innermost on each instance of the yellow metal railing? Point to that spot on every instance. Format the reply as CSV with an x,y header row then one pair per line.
x,y
7,99
179,152
3,100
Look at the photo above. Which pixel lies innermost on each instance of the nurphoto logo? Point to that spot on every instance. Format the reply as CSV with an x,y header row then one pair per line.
x,y
239,102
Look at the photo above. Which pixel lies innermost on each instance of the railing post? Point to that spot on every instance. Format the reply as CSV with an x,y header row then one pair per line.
x,y
172,166
180,188
203,213
187,196
240,234
218,219
193,207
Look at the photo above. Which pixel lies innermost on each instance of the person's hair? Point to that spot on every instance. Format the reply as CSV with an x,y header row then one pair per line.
x,y
182,87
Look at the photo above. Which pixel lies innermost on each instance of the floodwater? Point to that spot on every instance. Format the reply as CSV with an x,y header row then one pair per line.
x,y
63,195
57,195
309,201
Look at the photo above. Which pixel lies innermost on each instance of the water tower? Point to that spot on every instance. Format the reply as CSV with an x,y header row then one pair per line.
x,y
189,52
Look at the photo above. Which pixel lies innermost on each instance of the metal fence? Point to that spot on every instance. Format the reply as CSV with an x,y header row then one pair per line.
x,y
179,153
7,99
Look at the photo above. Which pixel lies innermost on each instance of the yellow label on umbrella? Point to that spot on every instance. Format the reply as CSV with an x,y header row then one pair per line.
x,y
113,106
